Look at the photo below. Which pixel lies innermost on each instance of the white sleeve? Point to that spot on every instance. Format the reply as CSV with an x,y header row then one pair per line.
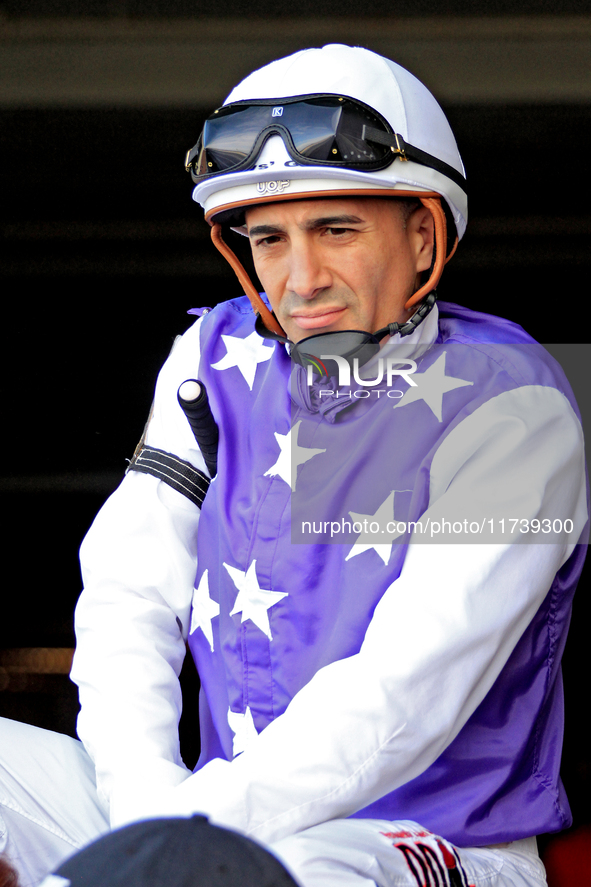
x,y
438,639
138,566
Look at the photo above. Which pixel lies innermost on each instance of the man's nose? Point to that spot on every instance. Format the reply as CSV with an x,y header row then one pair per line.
x,y
308,274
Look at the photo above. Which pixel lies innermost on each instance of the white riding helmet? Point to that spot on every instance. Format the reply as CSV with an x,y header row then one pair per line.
x,y
337,121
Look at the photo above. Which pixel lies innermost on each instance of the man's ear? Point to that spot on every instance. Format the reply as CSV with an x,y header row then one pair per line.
x,y
421,234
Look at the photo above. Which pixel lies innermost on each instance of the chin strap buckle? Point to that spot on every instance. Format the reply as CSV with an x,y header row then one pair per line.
x,y
405,329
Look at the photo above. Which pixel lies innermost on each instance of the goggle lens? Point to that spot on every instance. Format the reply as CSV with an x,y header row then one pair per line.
x,y
328,129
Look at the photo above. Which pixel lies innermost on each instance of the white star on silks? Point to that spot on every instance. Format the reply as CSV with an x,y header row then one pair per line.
x,y
252,600
243,728
204,610
246,354
291,455
383,516
431,386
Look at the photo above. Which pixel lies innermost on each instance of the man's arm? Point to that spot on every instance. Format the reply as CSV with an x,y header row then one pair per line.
x,y
132,619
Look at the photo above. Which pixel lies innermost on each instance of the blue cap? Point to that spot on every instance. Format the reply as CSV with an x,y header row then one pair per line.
x,y
172,853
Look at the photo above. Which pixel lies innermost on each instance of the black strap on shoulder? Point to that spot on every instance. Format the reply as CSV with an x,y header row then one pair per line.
x,y
175,472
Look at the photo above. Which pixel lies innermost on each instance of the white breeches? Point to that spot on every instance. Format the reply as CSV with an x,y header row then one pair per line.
x,y
49,808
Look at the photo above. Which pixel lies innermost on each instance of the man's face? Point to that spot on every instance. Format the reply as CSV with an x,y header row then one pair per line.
x,y
337,264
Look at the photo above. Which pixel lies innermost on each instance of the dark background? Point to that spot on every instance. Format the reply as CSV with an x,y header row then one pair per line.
x,y
104,253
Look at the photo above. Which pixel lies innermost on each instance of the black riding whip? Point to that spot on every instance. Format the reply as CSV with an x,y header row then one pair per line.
x,y
194,402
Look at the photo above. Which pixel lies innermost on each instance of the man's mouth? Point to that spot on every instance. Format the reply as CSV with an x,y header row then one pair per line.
x,y
318,319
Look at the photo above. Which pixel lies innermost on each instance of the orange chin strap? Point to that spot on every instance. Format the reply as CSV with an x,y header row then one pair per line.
x,y
433,204
242,275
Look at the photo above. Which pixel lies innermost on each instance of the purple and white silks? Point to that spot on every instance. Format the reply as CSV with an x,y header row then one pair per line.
x,y
272,611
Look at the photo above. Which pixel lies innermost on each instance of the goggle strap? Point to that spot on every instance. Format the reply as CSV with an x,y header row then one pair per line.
x,y
257,303
433,204
409,152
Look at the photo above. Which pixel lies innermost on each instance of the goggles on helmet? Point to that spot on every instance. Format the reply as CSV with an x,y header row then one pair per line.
x,y
318,130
